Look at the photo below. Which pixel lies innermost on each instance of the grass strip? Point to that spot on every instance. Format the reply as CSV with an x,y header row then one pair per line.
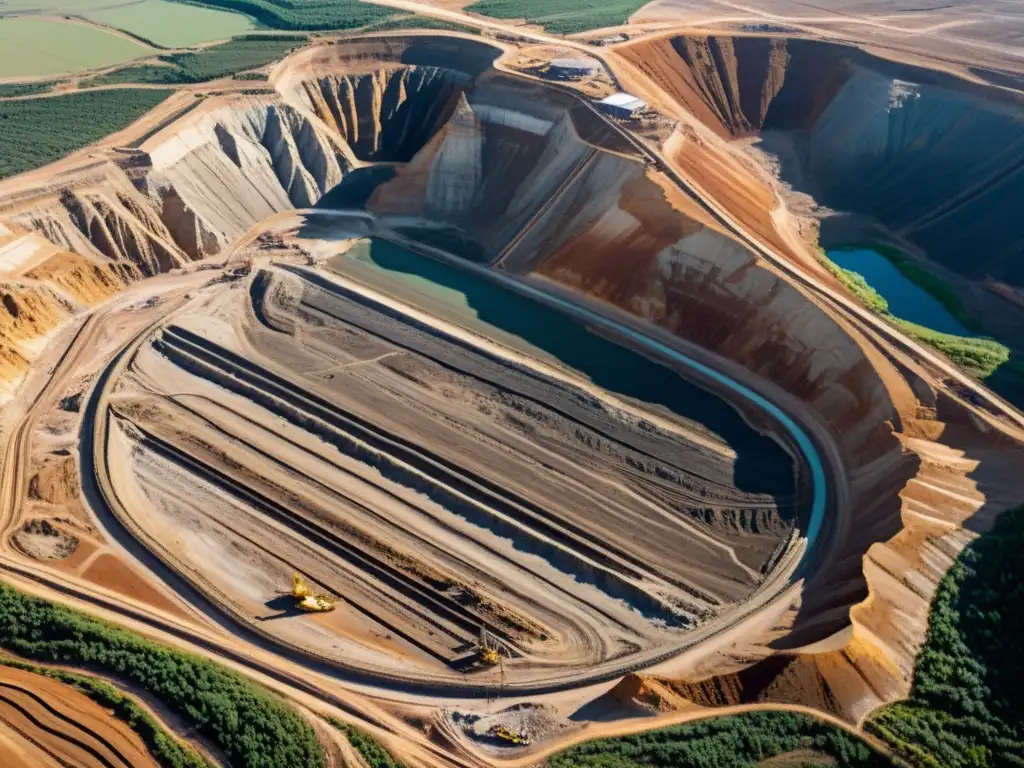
x,y
250,725
303,14
980,357
563,17
165,749
368,747
8,90
237,55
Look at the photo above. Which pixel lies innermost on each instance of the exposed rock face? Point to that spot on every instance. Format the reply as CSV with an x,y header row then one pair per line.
x,y
935,159
107,219
42,286
457,169
236,165
389,114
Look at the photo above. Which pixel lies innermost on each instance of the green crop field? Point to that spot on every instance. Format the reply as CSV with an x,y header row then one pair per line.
x,y
307,14
562,17
173,25
8,90
209,63
38,131
37,47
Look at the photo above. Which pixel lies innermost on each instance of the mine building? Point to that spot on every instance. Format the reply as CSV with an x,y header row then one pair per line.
x,y
572,69
622,105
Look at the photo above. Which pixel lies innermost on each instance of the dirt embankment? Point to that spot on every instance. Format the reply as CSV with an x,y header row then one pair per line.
x,y
46,723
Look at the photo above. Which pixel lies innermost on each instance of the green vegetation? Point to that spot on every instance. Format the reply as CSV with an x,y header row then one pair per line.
x,y
238,55
173,25
966,706
256,76
733,741
562,17
421,22
978,356
250,725
164,748
372,752
855,283
25,89
38,131
38,47
305,14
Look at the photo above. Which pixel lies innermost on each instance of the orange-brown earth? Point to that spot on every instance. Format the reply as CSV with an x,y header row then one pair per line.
x,y
445,151
44,723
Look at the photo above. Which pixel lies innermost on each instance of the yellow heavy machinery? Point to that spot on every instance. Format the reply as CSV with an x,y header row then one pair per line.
x,y
508,735
307,600
490,656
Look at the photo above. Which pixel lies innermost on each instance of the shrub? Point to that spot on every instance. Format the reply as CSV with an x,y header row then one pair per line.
x,y
372,752
733,741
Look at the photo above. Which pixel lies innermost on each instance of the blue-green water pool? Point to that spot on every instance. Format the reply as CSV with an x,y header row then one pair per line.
x,y
907,300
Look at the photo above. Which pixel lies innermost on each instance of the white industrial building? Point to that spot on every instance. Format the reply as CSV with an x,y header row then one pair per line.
x,y
621,105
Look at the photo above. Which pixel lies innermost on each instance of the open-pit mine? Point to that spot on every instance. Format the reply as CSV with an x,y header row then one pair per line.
x,y
521,397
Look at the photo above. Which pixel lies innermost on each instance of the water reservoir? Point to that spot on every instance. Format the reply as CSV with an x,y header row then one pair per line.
x,y
906,299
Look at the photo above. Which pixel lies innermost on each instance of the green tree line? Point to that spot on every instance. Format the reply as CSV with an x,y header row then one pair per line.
x,y
733,741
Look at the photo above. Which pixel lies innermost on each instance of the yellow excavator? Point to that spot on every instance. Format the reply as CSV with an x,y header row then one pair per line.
x,y
307,601
490,656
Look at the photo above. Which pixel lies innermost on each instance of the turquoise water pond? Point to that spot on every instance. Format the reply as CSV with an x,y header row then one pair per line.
x,y
906,299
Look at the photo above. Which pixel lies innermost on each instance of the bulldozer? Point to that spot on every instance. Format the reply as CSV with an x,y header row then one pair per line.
x,y
307,601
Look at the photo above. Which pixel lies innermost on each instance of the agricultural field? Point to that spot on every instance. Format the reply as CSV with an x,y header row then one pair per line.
x,y
207,64
562,17
307,14
10,90
39,131
163,22
30,47
173,25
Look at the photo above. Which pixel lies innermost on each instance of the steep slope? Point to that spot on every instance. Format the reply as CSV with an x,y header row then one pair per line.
x,y
935,159
234,164
42,286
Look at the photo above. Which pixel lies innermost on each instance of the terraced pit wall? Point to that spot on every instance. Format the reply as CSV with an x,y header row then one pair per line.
x,y
929,156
